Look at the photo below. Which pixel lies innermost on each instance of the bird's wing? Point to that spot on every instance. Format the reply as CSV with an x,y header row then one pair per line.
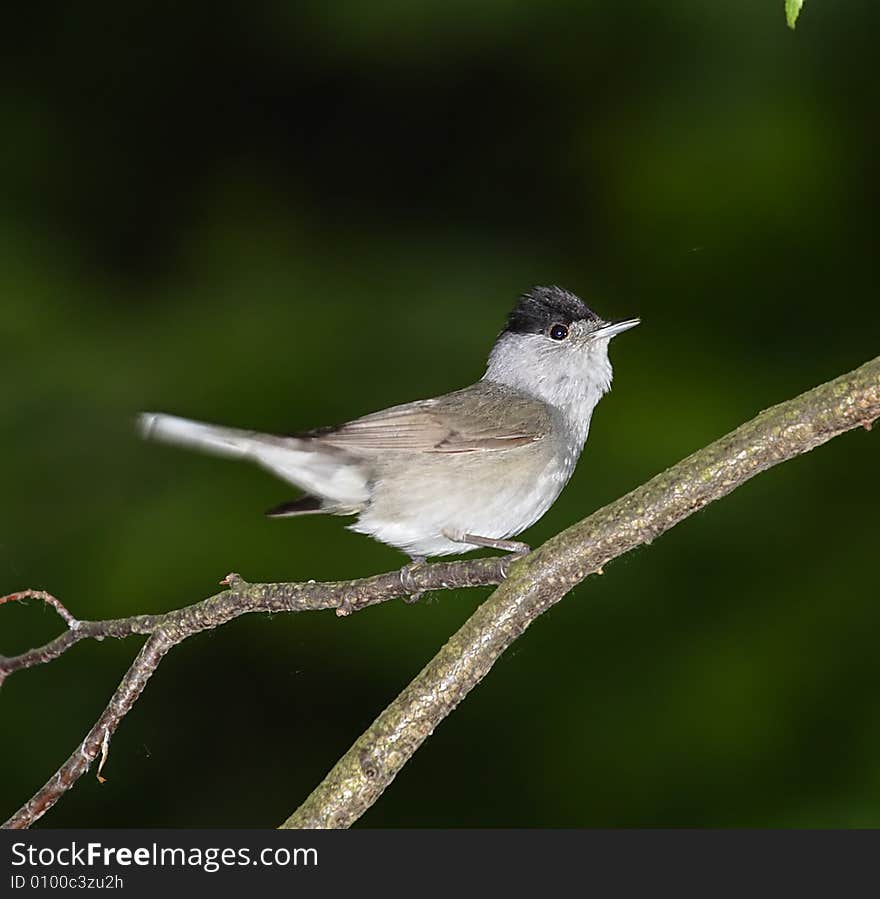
x,y
477,419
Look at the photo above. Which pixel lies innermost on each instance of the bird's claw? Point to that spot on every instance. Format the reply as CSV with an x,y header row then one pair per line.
x,y
412,593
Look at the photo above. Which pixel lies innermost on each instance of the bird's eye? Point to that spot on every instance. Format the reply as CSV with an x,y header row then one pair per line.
x,y
559,332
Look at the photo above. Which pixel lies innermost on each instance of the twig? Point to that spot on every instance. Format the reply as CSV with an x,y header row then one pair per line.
x,y
345,597
82,757
546,575
47,598
174,627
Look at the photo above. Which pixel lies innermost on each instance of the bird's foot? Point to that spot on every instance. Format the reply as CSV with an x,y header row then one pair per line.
x,y
411,591
516,548
504,562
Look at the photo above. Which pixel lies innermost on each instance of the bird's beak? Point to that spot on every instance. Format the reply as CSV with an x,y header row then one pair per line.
x,y
612,329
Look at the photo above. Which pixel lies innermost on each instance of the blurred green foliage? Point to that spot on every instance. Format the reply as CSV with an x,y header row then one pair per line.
x,y
284,215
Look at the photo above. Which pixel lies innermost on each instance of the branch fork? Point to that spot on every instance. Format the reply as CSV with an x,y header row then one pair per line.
x,y
533,584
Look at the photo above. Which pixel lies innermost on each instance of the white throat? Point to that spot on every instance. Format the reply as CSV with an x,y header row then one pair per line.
x,y
571,379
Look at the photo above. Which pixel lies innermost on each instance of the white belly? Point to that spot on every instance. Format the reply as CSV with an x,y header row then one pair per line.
x,y
482,494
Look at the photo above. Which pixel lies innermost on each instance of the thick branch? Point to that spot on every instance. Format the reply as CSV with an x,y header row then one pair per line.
x,y
546,575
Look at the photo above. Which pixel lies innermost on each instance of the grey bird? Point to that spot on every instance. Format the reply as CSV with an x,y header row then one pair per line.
x,y
447,475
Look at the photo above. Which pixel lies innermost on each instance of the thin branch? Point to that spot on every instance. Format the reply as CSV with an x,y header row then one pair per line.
x,y
346,597
542,578
169,629
47,598
82,757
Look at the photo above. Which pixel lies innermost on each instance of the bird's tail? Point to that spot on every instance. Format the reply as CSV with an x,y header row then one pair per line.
x,y
220,441
332,476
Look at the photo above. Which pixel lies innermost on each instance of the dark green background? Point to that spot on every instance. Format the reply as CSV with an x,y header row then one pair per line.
x,y
282,215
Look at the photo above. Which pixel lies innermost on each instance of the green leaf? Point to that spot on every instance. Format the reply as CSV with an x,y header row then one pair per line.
x,y
792,11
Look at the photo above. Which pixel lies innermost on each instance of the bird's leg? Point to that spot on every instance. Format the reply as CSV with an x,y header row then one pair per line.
x,y
412,593
516,548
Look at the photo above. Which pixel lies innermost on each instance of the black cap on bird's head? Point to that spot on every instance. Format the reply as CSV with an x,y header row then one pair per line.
x,y
552,310
541,307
